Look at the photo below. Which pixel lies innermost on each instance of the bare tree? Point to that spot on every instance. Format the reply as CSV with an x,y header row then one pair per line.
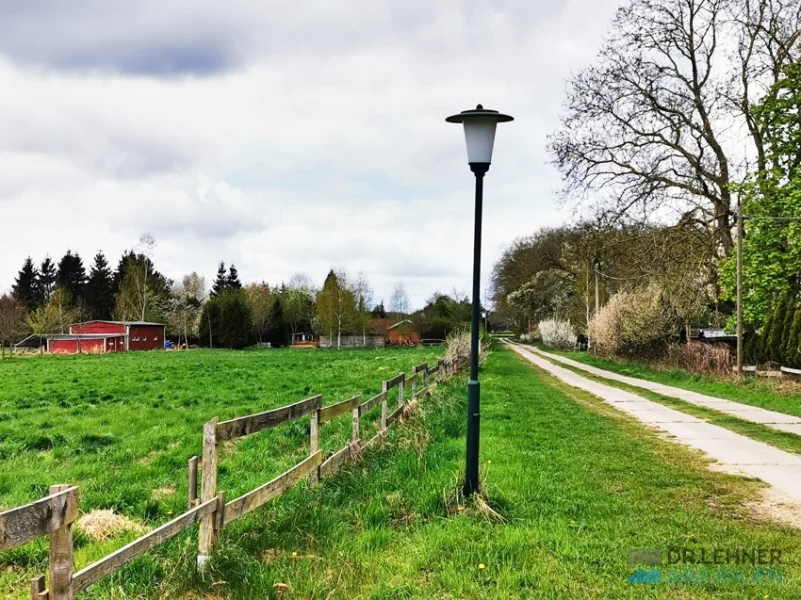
x,y
653,123
12,322
364,299
336,305
399,301
184,305
297,302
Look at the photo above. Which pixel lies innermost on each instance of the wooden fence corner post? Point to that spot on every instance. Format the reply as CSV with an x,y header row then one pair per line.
x,y
414,383
425,376
314,476
384,407
206,537
192,487
60,558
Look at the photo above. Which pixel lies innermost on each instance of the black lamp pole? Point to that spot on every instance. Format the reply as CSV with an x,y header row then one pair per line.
x,y
473,387
479,129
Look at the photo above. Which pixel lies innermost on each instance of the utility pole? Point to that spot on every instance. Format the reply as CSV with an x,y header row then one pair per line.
x,y
597,293
740,235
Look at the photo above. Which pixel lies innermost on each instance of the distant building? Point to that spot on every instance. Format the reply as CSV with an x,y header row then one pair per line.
x,y
108,336
403,333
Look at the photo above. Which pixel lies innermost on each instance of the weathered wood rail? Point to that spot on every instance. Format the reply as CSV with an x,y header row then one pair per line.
x,y
54,515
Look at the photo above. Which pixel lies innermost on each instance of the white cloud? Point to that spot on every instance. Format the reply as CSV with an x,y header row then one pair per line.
x,y
281,137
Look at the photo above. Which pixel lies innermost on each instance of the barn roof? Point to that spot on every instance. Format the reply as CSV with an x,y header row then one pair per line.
x,y
399,323
118,322
83,336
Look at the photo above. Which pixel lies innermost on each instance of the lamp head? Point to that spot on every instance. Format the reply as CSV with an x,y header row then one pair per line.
x,y
479,133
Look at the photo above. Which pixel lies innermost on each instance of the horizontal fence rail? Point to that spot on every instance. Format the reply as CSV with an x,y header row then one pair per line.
x,y
21,525
54,515
236,428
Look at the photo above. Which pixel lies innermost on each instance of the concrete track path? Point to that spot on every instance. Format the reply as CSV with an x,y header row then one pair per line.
x,y
737,453
768,418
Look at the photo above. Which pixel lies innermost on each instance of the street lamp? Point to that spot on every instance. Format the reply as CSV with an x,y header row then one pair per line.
x,y
479,132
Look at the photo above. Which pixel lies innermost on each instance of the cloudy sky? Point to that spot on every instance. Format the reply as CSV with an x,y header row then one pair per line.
x,y
280,136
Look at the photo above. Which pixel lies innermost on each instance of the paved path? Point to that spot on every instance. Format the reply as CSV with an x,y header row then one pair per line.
x,y
736,452
769,418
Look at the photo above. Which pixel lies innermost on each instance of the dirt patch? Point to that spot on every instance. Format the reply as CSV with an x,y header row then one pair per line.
x,y
162,492
104,524
776,506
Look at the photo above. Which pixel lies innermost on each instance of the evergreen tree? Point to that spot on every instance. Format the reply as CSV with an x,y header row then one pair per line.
x,y
752,349
237,323
210,330
379,312
47,278
764,349
71,276
774,343
793,350
26,286
232,279
225,321
99,292
277,334
787,329
220,282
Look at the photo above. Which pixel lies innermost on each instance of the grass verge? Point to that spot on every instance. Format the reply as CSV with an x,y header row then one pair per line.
x,y
780,439
762,392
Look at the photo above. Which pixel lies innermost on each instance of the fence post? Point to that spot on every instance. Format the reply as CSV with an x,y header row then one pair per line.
x,y
192,489
384,407
314,435
355,436
425,377
400,391
37,588
414,383
207,535
61,556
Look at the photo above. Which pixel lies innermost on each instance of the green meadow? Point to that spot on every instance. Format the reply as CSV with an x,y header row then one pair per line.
x,y
570,485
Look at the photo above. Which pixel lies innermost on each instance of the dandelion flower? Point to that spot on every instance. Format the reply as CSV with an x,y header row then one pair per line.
x,y
481,566
294,555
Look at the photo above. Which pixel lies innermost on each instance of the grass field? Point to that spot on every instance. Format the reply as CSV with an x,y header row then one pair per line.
x,y
761,392
576,483
123,426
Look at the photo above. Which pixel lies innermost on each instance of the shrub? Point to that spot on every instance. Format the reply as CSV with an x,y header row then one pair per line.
x,y
557,334
635,323
700,358
457,347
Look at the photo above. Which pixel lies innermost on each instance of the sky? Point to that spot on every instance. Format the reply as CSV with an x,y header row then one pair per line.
x,y
282,136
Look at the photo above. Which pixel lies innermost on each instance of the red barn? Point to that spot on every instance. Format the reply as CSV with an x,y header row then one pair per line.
x,y
109,336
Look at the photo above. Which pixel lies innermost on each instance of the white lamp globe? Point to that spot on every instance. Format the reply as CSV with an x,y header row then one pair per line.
x,y
479,132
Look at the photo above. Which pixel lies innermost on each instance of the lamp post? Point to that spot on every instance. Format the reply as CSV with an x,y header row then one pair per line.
x,y
479,132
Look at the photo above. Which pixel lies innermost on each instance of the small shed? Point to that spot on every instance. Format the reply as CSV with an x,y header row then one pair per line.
x,y
403,333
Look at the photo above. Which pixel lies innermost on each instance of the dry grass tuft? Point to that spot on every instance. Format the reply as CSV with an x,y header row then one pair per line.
x,y
101,525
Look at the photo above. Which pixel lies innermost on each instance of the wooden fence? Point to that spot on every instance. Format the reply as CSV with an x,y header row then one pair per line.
x,y
54,515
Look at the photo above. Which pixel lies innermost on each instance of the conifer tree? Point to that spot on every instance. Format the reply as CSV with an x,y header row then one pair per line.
x,y
71,276
99,292
232,279
220,282
26,286
47,278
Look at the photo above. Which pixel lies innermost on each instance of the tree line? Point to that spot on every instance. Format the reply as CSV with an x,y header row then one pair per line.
x,y
47,297
689,110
